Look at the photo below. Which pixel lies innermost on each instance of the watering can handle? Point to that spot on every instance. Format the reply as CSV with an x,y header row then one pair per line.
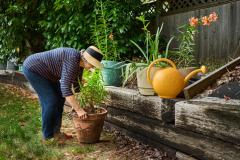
x,y
158,60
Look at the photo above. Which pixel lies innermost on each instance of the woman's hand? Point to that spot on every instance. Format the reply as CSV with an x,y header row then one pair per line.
x,y
82,114
74,103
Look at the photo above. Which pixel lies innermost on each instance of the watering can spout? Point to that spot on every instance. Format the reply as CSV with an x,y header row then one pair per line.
x,y
203,69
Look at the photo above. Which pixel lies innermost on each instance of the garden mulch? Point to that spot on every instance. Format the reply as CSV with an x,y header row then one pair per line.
x,y
227,86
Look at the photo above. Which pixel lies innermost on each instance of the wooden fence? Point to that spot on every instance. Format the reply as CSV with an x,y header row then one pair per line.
x,y
217,42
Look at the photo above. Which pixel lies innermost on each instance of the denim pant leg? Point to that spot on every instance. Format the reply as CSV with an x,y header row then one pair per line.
x,y
51,102
61,101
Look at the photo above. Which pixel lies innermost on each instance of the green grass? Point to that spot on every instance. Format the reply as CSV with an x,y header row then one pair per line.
x,y
20,124
83,149
20,131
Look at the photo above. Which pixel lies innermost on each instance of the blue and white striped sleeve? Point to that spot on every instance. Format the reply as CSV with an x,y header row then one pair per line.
x,y
68,75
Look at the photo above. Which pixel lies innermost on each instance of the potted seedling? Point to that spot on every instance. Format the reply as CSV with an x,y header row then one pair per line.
x,y
150,53
92,94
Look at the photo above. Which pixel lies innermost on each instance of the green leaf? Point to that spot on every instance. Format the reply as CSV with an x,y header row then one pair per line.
x,y
140,49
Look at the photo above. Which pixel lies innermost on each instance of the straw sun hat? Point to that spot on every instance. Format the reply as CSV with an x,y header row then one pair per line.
x,y
93,56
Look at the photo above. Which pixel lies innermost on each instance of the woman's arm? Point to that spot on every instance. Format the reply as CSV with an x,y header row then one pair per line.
x,y
73,102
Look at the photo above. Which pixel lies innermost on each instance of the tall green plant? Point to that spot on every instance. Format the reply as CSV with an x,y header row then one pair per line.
x,y
152,43
151,51
92,93
184,55
103,31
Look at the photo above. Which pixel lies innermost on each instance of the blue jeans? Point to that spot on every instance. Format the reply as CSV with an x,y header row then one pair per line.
x,y
51,101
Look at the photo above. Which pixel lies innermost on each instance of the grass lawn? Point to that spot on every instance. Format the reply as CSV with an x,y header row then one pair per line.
x,y
20,131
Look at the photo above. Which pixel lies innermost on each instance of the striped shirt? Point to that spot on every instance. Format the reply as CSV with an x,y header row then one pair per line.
x,y
57,64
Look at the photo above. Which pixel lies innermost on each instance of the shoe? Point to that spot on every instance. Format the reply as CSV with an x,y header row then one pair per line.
x,y
62,137
58,138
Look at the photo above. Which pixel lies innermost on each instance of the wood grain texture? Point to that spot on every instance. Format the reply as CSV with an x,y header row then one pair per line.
x,y
199,146
182,156
210,116
149,106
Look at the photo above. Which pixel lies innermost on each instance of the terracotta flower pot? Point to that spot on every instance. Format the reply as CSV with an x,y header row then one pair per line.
x,y
89,130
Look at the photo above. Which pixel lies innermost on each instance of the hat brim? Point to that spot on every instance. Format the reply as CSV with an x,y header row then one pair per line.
x,y
92,60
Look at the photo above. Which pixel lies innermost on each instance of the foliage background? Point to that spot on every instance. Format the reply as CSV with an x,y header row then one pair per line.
x,y
32,26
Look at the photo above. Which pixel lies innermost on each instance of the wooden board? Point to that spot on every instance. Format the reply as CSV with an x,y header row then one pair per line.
x,y
19,76
210,116
197,145
182,156
6,78
149,106
197,87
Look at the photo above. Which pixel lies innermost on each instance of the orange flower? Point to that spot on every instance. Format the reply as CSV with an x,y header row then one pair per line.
x,y
205,21
110,36
213,17
193,21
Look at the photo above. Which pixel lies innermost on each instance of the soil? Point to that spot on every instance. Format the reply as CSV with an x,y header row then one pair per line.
x,y
225,79
113,145
132,83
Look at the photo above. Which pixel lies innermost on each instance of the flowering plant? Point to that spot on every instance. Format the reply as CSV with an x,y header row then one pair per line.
x,y
184,55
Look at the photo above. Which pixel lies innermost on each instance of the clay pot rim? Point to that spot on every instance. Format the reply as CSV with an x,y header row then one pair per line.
x,y
93,115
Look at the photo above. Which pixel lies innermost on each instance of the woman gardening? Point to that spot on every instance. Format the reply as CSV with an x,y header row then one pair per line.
x,y
52,74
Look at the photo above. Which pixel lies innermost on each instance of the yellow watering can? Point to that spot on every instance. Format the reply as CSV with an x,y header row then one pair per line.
x,y
168,82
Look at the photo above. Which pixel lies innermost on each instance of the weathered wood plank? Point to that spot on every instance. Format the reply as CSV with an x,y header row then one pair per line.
x,y
6,78
150,106
197,145
197,87
19,76
211,116
182,156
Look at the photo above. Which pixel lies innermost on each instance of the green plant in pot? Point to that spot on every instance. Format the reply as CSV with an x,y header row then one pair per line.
x,y
92,94
151,53
105,41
